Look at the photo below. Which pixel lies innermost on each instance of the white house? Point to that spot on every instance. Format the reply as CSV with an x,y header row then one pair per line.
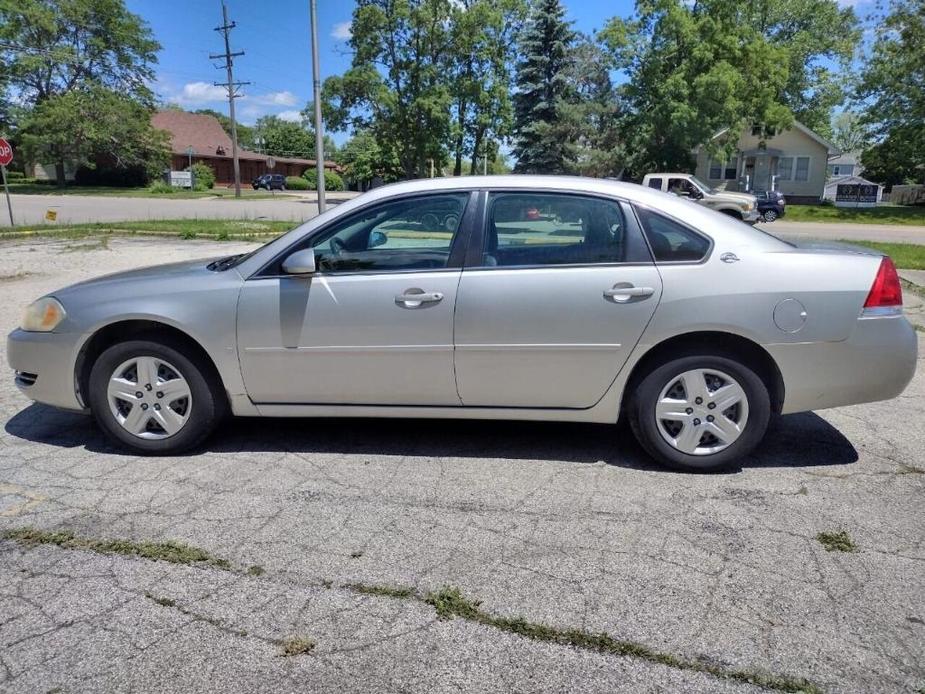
x,y
793,161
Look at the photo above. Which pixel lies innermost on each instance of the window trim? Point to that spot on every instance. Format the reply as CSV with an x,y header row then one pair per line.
x,y
790,170
458,245
809,166
641,210
724,167
634,232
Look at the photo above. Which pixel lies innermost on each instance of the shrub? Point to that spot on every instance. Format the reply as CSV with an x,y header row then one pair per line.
x,y
331,180
203,176
296,183
161,187
15,175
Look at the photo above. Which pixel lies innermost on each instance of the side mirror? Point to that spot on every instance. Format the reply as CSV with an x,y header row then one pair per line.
x,y
300,263
377,238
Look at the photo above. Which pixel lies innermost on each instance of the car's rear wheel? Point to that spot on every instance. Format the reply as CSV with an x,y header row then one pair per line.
x,y
154,397
700,412
770,215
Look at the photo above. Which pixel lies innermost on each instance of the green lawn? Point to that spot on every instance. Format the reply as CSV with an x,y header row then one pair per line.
x,y
181,194
884,214
906,256
184,228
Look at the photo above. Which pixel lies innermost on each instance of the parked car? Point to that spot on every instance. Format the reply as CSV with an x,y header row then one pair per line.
x,y
269,182
618,301
741,206
771,205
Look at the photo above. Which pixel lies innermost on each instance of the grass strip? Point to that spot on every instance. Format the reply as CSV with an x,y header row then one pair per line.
x,y
906,256
169,551
882,214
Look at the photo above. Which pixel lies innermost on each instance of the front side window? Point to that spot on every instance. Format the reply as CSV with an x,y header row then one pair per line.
x,y
802,173
670,241
785,168
529,229
407,234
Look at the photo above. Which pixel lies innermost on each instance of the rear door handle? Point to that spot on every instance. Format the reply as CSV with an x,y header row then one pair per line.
x,y
622,292
413,298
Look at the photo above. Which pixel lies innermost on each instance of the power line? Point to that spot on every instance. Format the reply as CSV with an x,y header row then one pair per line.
x,y
232,88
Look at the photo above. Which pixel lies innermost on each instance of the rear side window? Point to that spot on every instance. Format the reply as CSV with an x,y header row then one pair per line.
x,y
670,241
655,183
529,229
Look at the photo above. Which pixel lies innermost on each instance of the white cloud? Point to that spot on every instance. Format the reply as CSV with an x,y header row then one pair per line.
x,y
291,116
341,31
200,93
285,98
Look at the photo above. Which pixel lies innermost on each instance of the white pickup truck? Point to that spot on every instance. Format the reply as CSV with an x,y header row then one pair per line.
x,y
739,205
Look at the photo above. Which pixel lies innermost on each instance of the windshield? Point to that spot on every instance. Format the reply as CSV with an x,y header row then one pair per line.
x,y
703,186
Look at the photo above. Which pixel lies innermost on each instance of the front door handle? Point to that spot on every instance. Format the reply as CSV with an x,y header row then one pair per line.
x,y
414,298
623,292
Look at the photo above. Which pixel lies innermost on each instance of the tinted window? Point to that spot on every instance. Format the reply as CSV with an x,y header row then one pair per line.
x,y
408,234
671,241
655,183
550,229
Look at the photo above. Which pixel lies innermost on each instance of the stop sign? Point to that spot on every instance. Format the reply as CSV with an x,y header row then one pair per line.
x,y
6,152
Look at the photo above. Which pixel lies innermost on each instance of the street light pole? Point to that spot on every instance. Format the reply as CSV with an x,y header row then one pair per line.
x,y
316,89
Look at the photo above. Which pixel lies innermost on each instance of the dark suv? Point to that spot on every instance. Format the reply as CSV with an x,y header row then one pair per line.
x,y
771,205
270,182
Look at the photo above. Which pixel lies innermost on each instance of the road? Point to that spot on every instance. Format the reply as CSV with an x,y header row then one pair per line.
x,y
71,209
338,531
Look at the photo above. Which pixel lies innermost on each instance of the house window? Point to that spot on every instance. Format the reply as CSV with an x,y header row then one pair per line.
x,y
723,170
841,169
784,168
802,173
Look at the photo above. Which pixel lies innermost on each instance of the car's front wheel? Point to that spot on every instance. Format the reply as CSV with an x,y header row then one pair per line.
x,y
770,215
700,413
153,397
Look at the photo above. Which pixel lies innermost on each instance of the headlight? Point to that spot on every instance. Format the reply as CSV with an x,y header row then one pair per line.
x,y
43,316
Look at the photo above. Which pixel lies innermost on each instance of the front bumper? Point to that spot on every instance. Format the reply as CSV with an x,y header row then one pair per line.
x,y
876,362
44,365
752,217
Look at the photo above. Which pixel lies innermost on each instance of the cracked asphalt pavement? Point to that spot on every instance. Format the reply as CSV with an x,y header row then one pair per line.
x,y
564,525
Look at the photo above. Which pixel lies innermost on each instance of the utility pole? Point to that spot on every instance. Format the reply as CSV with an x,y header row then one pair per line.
x,y
232,88
316,90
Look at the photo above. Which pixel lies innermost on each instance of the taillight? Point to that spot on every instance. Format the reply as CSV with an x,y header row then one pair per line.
x,y
886,293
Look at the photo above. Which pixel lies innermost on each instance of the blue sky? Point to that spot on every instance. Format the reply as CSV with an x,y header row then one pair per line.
x,y
275,38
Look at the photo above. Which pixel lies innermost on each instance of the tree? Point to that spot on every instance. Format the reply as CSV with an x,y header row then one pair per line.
x,y
95,125
282,138
363,159
893,87
51,48
699,68
481,74
542,85
397,87
848,132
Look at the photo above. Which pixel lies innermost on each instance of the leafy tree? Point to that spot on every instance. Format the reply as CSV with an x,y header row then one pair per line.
x,y
892,162
363,159
698,68
94,124
397,87
51,48
480,69
542,85
893,85
848,132
283,138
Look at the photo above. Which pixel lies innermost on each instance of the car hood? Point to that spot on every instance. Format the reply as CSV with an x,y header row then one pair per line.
x,y
172,272
742,198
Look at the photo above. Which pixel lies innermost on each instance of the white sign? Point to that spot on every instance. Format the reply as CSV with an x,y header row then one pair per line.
x,y
271,163
181,179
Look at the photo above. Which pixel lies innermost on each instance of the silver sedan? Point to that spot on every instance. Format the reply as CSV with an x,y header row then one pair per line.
x,y
534,298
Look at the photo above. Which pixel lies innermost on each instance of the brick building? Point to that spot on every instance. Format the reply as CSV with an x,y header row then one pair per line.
x,y
212,146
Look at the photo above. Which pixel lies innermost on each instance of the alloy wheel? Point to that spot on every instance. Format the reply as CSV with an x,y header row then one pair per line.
x,y
770,215
701,412
149,397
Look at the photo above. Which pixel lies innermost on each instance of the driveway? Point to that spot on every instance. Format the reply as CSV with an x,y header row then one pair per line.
x,y
77,209
323,554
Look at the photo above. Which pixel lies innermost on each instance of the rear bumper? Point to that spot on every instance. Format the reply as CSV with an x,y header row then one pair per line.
x,y
44,365
876,362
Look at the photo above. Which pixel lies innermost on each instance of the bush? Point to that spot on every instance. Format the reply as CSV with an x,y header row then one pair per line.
x,y
161,187
331,180
203,176
296,183
15,175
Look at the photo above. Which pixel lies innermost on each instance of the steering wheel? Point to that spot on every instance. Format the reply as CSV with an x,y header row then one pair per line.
x,y
338,246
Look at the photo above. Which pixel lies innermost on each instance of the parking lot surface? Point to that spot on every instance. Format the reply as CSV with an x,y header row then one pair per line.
x,y
326,555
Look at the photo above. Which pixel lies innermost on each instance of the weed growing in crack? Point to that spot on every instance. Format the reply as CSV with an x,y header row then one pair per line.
x,y
327,583
449,602
356,554
163,602
255,570
381,591
837,542
169,551
296,645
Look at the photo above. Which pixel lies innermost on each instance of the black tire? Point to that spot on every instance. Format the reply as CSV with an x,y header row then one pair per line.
x,y
769,215
642,419
208,403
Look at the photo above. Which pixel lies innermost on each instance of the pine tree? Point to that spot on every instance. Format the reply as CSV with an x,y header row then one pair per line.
x,y
542,87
